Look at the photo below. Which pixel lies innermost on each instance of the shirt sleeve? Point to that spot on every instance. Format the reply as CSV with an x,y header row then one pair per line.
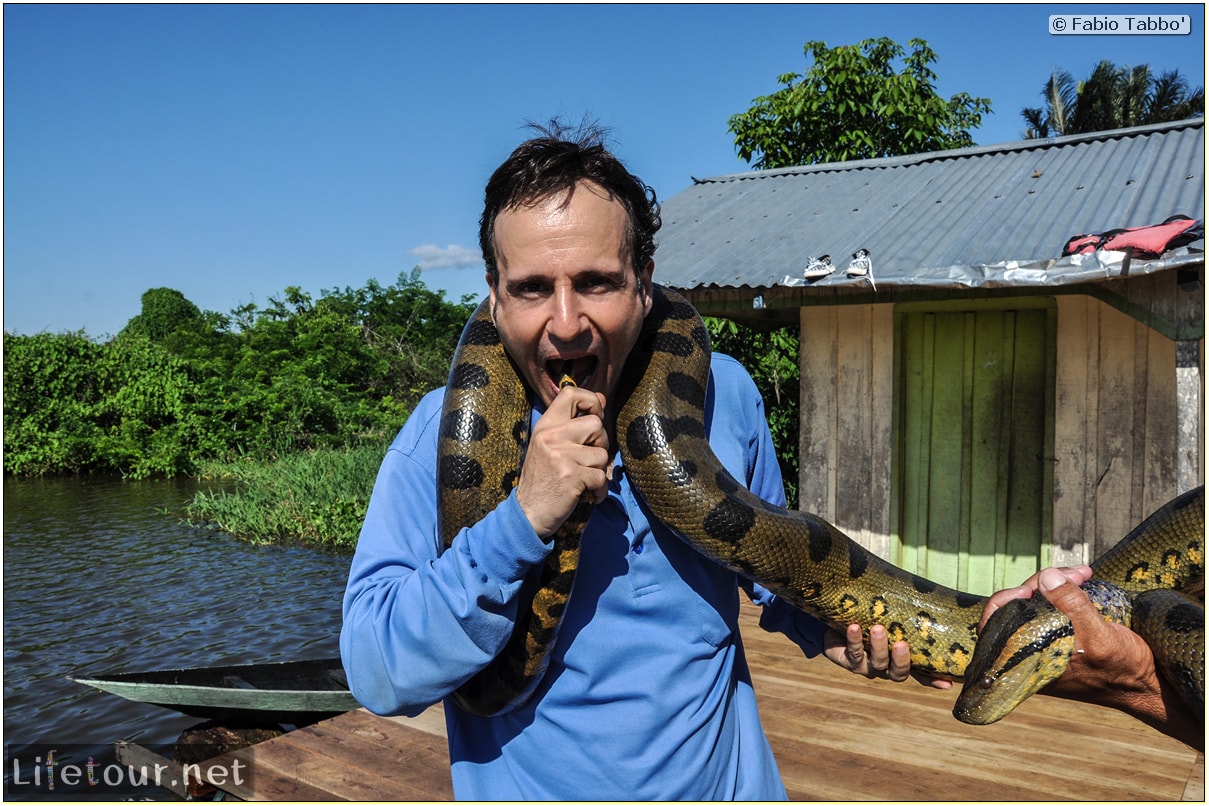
x,y
764,479
420,621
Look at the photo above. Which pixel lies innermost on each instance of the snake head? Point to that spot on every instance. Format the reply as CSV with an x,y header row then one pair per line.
x,y
1026,644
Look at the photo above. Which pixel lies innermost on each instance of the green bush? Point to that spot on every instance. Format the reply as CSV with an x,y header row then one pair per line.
x,y
317,497
179,387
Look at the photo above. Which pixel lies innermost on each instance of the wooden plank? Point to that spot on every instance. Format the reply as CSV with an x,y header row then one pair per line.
x,y
989,471
853,421
1019,554
836,736
1072,447
1115,426
882,446
840,737
948,362
916,337
817,441
1161,469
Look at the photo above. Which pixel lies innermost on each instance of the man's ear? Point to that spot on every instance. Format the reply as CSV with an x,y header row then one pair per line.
x,y
647,290
492,301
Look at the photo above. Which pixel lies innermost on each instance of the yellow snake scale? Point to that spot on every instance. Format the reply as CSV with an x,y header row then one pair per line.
x,y
797,555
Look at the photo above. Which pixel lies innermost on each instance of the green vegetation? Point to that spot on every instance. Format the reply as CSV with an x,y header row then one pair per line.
x,y
771,357
179,387
318,497
1111,97
296,401
853,104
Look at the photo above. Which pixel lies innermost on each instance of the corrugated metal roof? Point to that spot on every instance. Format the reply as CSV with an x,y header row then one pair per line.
x,y
980,216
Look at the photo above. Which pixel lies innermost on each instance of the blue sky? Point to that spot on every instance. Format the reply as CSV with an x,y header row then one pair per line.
x,y
230,151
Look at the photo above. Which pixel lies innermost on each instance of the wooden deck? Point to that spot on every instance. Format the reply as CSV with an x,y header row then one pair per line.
x,y
836,737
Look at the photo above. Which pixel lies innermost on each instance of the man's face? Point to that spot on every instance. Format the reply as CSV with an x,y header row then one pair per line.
x,y
567,300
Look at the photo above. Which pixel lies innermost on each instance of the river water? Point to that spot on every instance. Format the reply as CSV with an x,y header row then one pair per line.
x,y
100,575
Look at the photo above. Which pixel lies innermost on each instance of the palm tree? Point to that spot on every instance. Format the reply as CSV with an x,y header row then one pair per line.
x,y
1111,97
1054,119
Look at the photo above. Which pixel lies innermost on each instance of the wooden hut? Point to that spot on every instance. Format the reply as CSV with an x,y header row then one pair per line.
x,y
978,405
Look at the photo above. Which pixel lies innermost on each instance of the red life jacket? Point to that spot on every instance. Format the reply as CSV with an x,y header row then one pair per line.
x,y
1150,241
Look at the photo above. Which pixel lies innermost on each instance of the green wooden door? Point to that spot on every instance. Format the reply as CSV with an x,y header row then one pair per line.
x,y
973,433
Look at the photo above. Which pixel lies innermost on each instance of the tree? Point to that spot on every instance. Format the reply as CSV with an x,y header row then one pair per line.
x,y
165,311
853,104
1111,97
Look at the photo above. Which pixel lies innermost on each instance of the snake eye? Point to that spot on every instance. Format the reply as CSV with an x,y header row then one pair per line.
x,y
986,682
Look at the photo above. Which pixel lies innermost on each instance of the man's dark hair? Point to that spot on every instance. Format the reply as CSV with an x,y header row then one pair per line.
x,y
553,163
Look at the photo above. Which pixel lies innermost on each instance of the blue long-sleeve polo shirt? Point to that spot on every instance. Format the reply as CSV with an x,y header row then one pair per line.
x,y
647,695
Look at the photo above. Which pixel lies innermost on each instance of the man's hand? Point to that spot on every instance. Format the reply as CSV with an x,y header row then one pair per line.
x,y
1111,665
1077,575
568,456
879,659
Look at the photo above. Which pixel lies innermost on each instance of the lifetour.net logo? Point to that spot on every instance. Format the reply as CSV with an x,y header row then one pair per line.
x,y
65,772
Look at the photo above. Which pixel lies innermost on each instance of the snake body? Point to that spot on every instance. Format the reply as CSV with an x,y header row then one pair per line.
x,y
661,434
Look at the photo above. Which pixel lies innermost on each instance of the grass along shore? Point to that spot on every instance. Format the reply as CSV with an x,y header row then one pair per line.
x,y
317,498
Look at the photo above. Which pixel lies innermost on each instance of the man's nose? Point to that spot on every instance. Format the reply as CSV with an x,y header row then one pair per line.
x,y
567,319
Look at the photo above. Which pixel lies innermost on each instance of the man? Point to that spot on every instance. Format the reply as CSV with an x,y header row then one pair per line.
x,y
647,695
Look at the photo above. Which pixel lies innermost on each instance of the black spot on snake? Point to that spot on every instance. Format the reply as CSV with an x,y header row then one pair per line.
x,y
729,521
725,482
922,585
683,474
968,599
1139,571
510,480
819,542
651,434
481,333
858,561
672,343
464,425
468,375
701,336
460,472
640,436
1184,619
680,311
685,387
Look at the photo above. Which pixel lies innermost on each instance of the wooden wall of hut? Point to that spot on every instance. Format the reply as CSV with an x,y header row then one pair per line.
x,y
1112,426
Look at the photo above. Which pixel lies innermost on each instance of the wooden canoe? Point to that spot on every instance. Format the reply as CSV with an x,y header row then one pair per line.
x,y
295,691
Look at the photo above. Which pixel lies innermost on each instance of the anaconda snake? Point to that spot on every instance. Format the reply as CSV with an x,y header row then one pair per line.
x,y
797,555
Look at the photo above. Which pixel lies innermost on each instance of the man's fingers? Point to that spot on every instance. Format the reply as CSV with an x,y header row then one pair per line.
x,y
1076,575
856,644
900,662
879,652
1065,594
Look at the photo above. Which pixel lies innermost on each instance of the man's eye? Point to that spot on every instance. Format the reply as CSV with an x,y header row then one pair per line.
x,y
597,284
528,289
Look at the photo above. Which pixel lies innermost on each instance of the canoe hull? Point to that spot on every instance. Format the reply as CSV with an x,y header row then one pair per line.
x,y
275,692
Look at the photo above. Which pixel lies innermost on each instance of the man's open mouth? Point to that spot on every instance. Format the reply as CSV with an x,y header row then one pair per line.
x,y
580,370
